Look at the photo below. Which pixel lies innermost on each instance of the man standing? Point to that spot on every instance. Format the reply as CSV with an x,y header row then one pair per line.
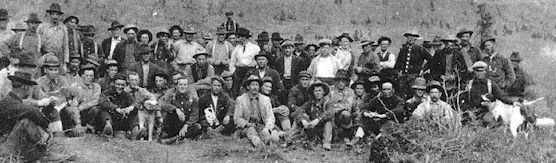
x,y
368,63
88,48
409,63
29,41
5,33
185,49
243,57
56,35
344,53
499,69
253,114
448,64
109,44
83,107
201,69
222,106
71,23
387,59
262,70
162,56
470,54
182,111
300,52
126,51
220,50
288,65
230,25
325,66
522,80
145,68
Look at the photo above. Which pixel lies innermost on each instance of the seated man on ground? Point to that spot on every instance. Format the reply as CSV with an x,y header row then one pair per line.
x,y
118,109
314,117
220,106
146,106
83,107
419,96
381,109
341,101
435,109
180,105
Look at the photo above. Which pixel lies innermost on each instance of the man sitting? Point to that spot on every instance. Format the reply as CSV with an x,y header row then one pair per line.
x,y
218,104
435,109
381,109
314,116
87,94
182,111
117,108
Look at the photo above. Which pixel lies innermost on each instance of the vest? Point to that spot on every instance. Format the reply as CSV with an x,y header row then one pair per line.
x,y
385,57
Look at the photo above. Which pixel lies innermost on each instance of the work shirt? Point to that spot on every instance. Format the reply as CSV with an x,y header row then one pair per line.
x,y
184,51
438,110
344,57
86,95
387,59
243,56
27,42
220,51
52,87
56,39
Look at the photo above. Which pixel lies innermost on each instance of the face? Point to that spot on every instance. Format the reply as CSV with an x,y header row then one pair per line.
x,y
32,26
88,76
163,38
55,16
201,59
120,85
115,32
341,84
305,82
373,48
175,78
489,46
221,37
233,39
159,81
289,50
133,80
112,71
229,16
311,50
387,90
74,64
366,48
318,92
419,92
515,64
299,47
229,81
344,42
266,88
147,56
51,72
182,85
72,23
3,24
359,89
411,40
384,45
325,50
253,87
216,87
465,37
144,38
480,74
375,88
25,91
242,40
176,34
262,61
189,37
131,34
434,94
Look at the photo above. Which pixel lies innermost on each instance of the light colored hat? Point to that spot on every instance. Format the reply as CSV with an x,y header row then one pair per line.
x,y
412,32
325,41
479,65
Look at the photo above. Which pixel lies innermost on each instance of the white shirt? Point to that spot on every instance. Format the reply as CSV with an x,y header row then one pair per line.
x,y
242,56
344,56
262,73
287,67
184,51
214,101
145,74
113,43
324,68
391,59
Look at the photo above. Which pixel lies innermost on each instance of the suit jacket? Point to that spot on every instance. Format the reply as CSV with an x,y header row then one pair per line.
x,y
297,66
242,111
437,64
153,70
120,54
223,108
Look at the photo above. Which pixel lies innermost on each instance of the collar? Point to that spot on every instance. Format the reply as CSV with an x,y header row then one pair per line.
x,y
119,38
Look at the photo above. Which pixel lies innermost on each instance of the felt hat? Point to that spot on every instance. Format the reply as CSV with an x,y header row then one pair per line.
x,y
22,77
221,31
243,32
200,54
162,75
384,38
88,66
359,82
450,38
147,32
325,41
463,31
374,79
33,18
115,25
250,79
515,56
267,79
229,13
419,83
479,65
311,45
144,49
319,83
287,43
189,30
131,27
19,27
488,39
298,39
111,63
411,32
92,60
4,14
226,74
344,35
365,40
260,55
71,17
162,33
305,74
51,60
55,7
263,36
276,37
175,27
207,36
435,84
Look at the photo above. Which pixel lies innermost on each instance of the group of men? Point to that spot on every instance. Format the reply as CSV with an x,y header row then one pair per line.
x,y
271,91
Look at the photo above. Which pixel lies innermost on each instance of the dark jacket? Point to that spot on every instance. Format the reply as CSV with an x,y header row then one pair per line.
x,y
187,102
298,96
305,59
153,70
110,100
383,105
225,107
297,66
121,53
522,80
314,109
499,70
437,64
416,56
13,110
472,98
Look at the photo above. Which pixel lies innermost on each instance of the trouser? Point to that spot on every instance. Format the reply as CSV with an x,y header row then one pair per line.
x,y
256,134
283,122
240,75
344,125
172,126
322,130
72,116
119,123
404,85
227,129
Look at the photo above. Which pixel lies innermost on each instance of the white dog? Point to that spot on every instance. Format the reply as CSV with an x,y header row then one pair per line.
x,y
148,116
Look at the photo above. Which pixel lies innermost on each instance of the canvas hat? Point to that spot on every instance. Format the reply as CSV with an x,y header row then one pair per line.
x,y
515,56
71,17
325,41
250,79
55,7
287,43
463,31
229,13
320,84
142,32
435,84
344,35
33,18
19,27
144,49
365,40
131,27
374,79
202,53
298,39
411,32
189,30
479,65
22,77
221,31
450,38
207,36
267,79
226,74
488,39
276,37
4,14
311,45
115,25
305,74
359,82
243,32
51,60
111,62
419,83
263,36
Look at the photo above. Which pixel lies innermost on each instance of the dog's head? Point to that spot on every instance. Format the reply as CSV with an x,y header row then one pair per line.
x,y
487,100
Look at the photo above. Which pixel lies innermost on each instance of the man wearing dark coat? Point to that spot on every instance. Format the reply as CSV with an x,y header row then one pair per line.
x,y
118,108
146,69
289,65
262,70
385,107
300,93
222,105
126,51
409,63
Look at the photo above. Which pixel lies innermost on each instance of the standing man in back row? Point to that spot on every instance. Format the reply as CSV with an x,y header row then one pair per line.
x,y
243,57
410,63
230,25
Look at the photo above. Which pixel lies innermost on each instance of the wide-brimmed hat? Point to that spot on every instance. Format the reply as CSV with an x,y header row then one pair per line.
x,y
115,25
142,32
515,56
311,45
144,49
250,79
449,38
319,83
298,40
162,33
207,36
375,79
4,14
435,84
226,74
488,39
325,41
359,82
131,27
243,32
22,77
175,27
263,36
51,60
71,17
411,32
92,60
419,83
221,31
89,66
88,30
463,31
229,13
111,62
479,65
33,18
163,75
344,35
276,37
200,54
384,38
365,40
305,74
267,79
19,27
287,43
189,30
55,7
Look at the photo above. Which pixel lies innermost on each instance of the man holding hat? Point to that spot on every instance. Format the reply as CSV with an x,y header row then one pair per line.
x,y
29,41
146,69
83,107
109,44
56,35
288,65
253,114
52,82
162,55
126,52
184,50
230,25
220,50
471,54
367,62
74,36
409,63
499,68
435,109
243,55
522,79
262,70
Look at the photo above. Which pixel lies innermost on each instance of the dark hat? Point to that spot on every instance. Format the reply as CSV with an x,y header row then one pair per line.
x,y
115,25
298,39
175,27
411,32
200,54
342,74
141,32
311,45
242,32
144,49
276,37
515,56
88,30
435,84
33,18
221,31
92,60
71,17
305,74
250,79
226,74
419,83
263,36
488,39
260,55
163,75
19,27
131,27
344,35
360,82
319,83
267,79
463,31
22,77
55,7
162,33
51,60
229,13
111,63
189,30
4,14
384,38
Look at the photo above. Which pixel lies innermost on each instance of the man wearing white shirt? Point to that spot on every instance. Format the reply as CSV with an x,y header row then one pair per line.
x,y
387,59
185,49
243,57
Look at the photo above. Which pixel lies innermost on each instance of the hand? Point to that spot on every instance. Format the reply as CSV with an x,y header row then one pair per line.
x,y
305,124
183,130
181,115
119,110
226,120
